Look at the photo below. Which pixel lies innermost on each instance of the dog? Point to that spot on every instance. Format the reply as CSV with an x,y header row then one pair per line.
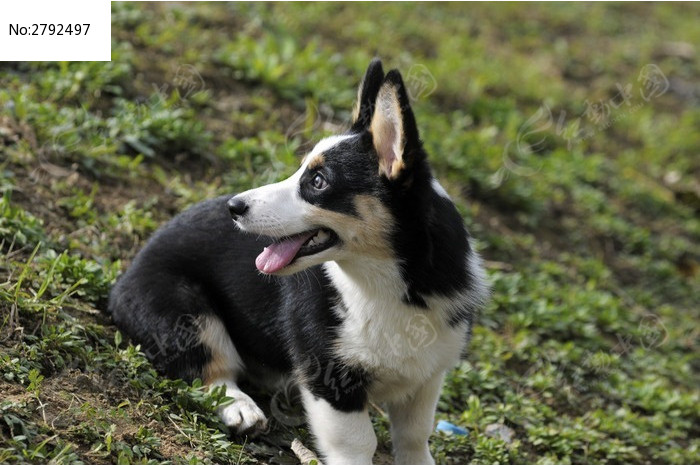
x,y
355,277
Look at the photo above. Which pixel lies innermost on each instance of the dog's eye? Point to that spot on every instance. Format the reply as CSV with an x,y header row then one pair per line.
x,y
319,182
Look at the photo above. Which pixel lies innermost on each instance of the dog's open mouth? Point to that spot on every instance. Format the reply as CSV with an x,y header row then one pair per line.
x,y
284,251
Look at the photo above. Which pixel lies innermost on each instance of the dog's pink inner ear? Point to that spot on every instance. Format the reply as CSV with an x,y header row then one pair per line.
x,y
387,132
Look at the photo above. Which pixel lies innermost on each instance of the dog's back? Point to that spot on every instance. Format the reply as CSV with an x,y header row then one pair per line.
x,y
198,266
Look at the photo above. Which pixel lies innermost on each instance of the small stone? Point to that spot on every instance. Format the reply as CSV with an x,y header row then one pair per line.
x,y
501,431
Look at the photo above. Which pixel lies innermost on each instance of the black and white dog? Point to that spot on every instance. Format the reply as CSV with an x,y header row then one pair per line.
x,y
355,277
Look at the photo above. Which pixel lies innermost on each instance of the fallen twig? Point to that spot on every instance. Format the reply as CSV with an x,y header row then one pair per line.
x,y
304,455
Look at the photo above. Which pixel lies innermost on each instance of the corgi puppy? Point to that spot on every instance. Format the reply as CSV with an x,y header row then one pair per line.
x,y
355,277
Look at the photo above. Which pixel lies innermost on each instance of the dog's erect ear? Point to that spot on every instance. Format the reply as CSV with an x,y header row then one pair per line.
x,y
393,127
367,94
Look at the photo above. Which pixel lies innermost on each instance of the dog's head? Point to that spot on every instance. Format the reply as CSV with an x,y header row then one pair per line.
x,y
352,191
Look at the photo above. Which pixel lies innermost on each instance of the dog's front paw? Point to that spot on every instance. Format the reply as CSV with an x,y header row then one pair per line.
x,y
414,456
244,416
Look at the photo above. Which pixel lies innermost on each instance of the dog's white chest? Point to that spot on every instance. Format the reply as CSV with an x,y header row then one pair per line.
x,y
401,346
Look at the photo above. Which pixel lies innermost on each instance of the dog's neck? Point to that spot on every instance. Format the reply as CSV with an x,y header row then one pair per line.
x,y
368,279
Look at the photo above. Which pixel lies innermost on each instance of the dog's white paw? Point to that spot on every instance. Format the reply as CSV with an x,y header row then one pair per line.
x,y
243,416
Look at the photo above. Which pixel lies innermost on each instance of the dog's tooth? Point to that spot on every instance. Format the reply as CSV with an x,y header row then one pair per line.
x,y
322,236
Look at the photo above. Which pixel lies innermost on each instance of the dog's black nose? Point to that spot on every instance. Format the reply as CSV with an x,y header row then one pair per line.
x,y
237,207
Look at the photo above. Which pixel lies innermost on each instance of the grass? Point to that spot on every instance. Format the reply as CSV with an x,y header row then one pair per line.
x,y
579,179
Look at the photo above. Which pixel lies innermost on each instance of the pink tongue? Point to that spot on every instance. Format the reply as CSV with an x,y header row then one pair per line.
x,y
279,254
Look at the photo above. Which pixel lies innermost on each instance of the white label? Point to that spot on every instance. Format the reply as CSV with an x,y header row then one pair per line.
x,y
58,30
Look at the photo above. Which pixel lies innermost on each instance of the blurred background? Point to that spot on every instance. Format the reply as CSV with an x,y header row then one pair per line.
x,y
568,135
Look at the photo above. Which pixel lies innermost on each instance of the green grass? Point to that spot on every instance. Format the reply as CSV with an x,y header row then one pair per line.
x,y
585,205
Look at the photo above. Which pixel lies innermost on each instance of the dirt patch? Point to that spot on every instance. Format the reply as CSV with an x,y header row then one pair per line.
x,y
83,407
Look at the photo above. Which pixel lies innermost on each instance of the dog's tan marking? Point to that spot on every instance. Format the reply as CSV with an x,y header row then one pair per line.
x,y
367,234
316,162
387,132
356,106
322,146
355,111
224,362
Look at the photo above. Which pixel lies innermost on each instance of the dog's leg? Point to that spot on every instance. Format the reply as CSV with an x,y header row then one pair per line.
x,y
412,423
223,369
343,438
